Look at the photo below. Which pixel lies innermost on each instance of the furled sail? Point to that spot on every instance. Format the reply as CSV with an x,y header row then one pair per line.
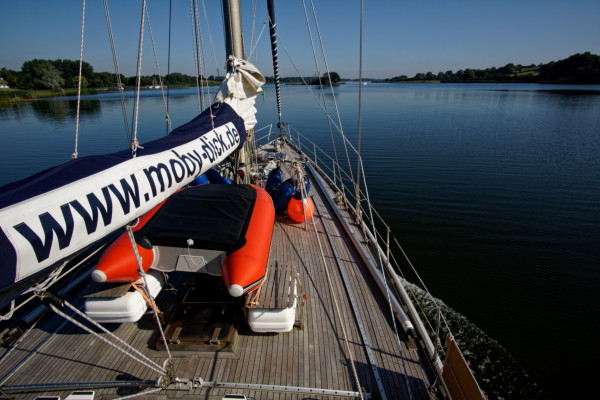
x,y
240,88
57,212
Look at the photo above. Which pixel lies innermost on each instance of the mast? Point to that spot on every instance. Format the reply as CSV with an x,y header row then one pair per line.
x,y
232,16
271,8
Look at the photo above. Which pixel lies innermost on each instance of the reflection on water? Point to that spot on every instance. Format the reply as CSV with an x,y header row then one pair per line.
x,y
65,110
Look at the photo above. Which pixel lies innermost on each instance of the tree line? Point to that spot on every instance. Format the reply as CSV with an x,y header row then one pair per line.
x,y
64,74
326,79
578,68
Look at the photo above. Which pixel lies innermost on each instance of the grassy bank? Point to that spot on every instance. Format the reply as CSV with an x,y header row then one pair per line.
x,y
11,96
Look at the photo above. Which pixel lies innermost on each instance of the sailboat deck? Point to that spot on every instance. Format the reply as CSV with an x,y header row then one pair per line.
x,y
317,356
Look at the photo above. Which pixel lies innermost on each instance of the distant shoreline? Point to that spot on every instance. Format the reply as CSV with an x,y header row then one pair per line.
x,y
488,81
14,96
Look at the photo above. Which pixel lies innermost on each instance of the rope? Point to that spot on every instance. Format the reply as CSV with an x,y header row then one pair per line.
x,y
143,291
195,42
169,69
210,37
142,359
337,310
335,302
143,275
36,289
255,43
118,74
273,31
202,59
10,313
359,161
337,111
135,143
74,155
162,89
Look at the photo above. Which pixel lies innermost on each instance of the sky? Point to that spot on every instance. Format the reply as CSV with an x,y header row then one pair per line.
x,y
399,37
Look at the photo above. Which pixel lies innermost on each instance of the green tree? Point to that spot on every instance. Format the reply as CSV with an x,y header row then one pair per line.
x,y
332,77
469,75
43,75
75,82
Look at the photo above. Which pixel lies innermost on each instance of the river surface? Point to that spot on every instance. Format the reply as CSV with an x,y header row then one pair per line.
x,y
493,190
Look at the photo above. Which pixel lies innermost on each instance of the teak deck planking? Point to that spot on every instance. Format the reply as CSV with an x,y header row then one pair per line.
x,y
314,357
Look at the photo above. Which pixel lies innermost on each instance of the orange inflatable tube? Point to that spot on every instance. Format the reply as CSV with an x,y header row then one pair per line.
x,y
245,268
118,262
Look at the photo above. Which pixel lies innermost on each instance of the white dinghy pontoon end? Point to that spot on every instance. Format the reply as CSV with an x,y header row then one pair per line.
x,y
128,308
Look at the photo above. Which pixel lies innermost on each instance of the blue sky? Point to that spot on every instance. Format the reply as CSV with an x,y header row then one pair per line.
x,y
400,37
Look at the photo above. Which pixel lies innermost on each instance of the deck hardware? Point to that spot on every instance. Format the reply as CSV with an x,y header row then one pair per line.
x,y
215,336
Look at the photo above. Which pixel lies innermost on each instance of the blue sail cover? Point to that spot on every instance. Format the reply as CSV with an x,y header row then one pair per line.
x,y
57,212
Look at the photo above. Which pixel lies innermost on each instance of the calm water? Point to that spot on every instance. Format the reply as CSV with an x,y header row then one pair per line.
x,y
493,190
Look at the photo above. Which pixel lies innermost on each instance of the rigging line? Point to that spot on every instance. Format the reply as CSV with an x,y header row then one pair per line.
x,y
203,64
199,51
32,353
169,68
211,40
422,283
117,73
143,274
203,71
198,63
308,87
74,155
12,348
321,87
337,308
255,44
253,35
195,52
142,359
272,29
387,288
332,291
337,111
359,161
162,89
57,279
135,143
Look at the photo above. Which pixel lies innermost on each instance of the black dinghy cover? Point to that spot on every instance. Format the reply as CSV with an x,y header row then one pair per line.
x,y
214,217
